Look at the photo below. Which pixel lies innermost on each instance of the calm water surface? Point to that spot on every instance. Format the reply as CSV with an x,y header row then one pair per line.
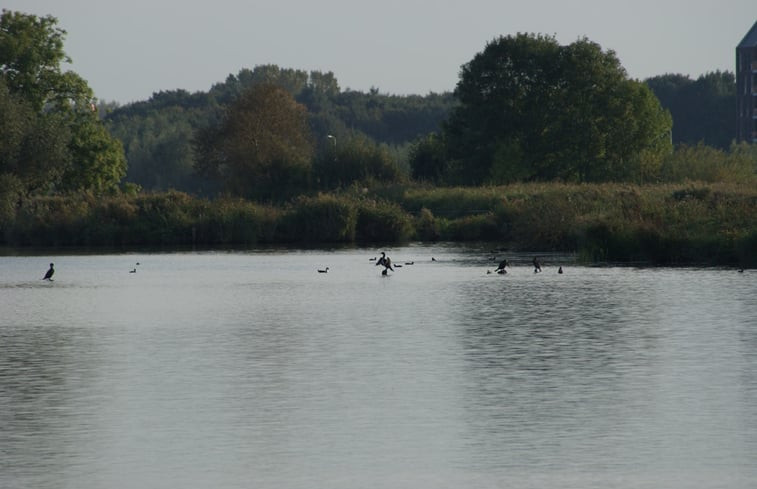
x,y
252,370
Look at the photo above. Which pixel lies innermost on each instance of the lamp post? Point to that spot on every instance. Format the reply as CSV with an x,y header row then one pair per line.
x,y
333,138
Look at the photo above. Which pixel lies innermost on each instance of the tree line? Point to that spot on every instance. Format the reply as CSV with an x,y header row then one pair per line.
x,y
525,109
573,115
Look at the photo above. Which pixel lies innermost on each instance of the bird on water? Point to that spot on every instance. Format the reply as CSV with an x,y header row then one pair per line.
x,y
325,270
49,273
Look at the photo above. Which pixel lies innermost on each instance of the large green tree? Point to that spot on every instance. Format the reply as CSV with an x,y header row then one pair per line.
x,y
262,148
33,146
31,54
532,109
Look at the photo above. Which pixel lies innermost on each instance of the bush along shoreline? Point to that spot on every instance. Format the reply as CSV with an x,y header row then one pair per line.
x,y
673,224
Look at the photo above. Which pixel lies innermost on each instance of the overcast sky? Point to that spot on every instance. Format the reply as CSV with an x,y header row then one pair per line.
x,y
128,49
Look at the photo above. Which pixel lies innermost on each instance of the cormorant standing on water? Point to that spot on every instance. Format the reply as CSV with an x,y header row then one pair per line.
x,y
386,262
49,274
537,266
501,267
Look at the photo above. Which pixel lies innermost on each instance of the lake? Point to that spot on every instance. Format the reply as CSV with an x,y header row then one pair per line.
x,y
249,369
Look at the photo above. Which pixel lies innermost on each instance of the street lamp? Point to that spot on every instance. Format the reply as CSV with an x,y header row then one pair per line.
x,y
333,138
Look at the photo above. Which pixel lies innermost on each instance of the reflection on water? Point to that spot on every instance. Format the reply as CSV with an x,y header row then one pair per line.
x,y
253,370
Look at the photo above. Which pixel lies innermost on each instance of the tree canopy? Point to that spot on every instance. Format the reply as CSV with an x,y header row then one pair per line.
x,y
703,110
262,148
531,109
57,141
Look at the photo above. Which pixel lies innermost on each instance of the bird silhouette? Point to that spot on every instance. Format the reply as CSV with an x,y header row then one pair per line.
x,y
49,273
501,267
325,270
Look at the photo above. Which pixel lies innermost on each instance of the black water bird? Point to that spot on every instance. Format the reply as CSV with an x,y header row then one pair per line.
x,y
537,265
49,273
559,270
501,267
385,261
409,263
133,271
325,270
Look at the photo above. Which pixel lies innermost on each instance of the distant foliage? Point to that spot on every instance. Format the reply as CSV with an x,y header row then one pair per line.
x,y
703,110
262,148
356,160
428,159
157,134
157,139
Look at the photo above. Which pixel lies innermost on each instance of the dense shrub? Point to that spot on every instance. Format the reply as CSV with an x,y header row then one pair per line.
x,y
320,219
382,222
426,226
708,164
235,221
355,161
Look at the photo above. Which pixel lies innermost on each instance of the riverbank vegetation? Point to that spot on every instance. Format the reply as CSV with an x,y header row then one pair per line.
x,y
691,223
541,147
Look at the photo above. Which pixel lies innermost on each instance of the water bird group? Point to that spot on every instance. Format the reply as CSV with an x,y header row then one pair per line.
x,y
504,264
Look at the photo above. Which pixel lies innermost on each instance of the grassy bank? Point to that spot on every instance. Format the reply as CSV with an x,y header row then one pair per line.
x,y
659,224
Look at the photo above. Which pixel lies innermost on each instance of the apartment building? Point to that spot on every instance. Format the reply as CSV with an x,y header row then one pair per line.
x,y
746,85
